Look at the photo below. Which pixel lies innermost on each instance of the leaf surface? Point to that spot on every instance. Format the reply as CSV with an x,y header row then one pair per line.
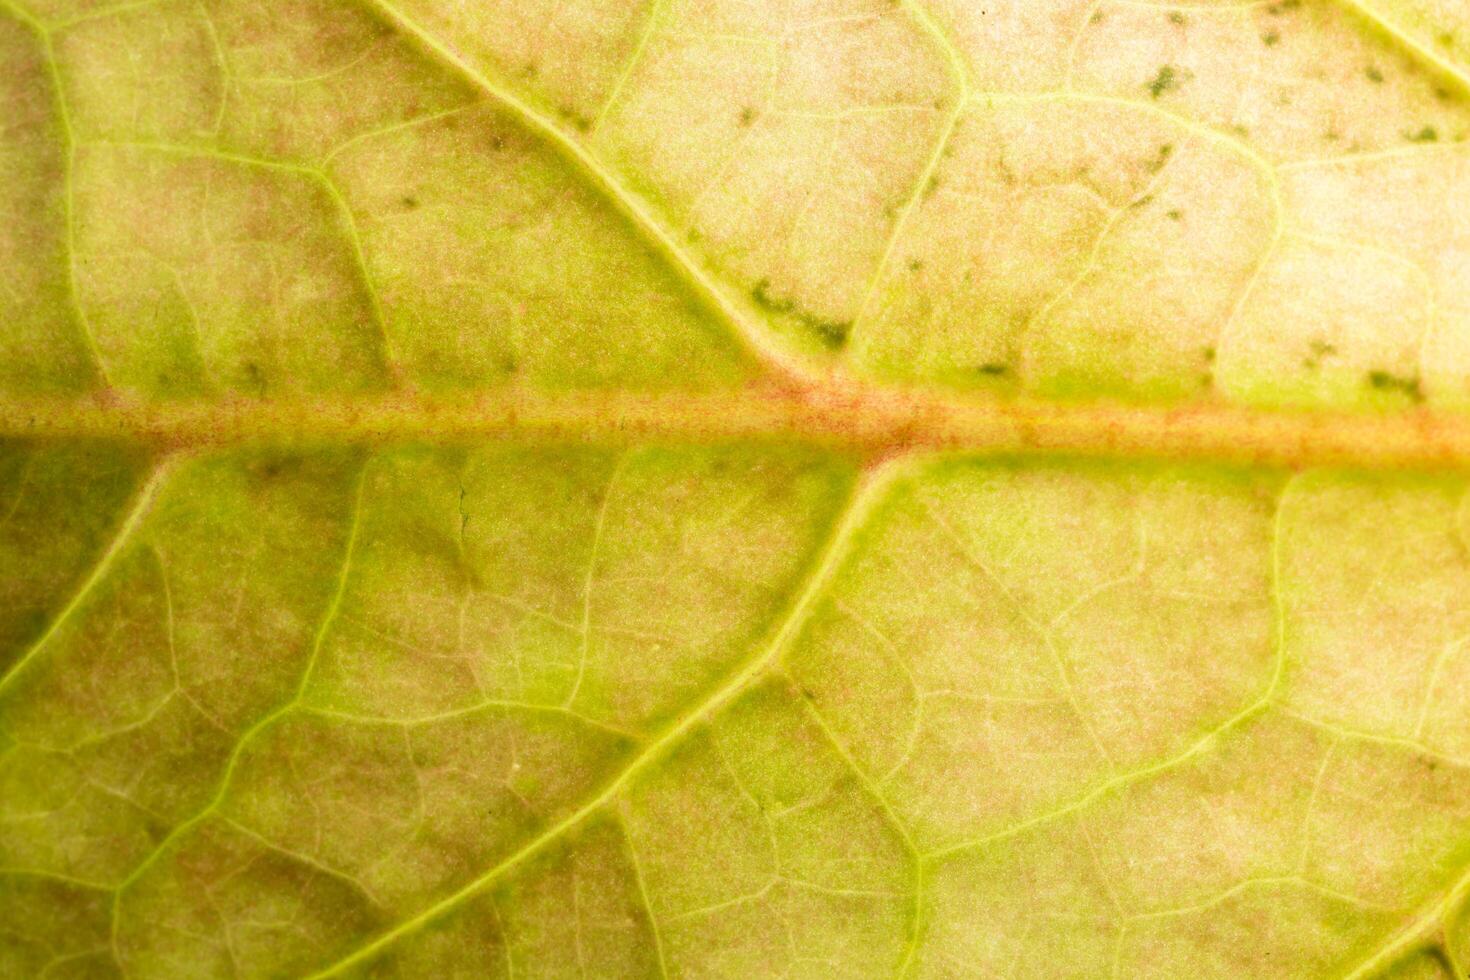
x,y
697,488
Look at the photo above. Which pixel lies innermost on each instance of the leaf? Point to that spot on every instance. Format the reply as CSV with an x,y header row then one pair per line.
x,y
831,488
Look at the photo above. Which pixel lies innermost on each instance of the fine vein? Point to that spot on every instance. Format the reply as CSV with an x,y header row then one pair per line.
x,y
868,495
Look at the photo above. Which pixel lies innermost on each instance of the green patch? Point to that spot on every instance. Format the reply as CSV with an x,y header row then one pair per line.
x,y
1166,80
1406,385
833,334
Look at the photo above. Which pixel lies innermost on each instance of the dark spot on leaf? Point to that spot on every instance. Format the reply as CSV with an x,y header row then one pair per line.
x,y
832,333
1446,40
1374,75
1209,354
761,294
409,201
916,265
1165,80
1165,151
1426,135
1175,17
747,116
994,369
1320,349
1174,214
255,377
1271,38
1283,6
1405,385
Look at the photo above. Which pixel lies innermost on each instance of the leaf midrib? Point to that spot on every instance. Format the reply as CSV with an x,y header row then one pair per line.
x,y
841,413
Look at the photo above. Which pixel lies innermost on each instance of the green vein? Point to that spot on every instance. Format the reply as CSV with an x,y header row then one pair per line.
x,y
265,721
960,78
645,38
68,184
141,505
1399,35
1203,745
1416,933
759,342
346,220
867,496
890,817
655,932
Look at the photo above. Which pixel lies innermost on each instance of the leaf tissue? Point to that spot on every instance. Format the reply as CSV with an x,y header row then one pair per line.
x,y
735,488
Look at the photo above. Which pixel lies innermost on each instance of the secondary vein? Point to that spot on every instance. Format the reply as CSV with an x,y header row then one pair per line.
x,y
867,496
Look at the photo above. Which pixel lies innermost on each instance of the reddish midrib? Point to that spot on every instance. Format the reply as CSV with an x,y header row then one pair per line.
x,y
865,418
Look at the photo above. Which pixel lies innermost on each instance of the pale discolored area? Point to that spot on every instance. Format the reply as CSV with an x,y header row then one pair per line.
x,y
1377,622
1059,197
795,177
43,346
1135,236
1283,851
1366,201
1440,28
234,715
1334,321
1293,81
287,80
283,211
230,904
213,275
494,264
1026,714
813,880
608,587
1304,831
578,909
1067,620
779,141
1013,46
672,709
121,722
571,55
